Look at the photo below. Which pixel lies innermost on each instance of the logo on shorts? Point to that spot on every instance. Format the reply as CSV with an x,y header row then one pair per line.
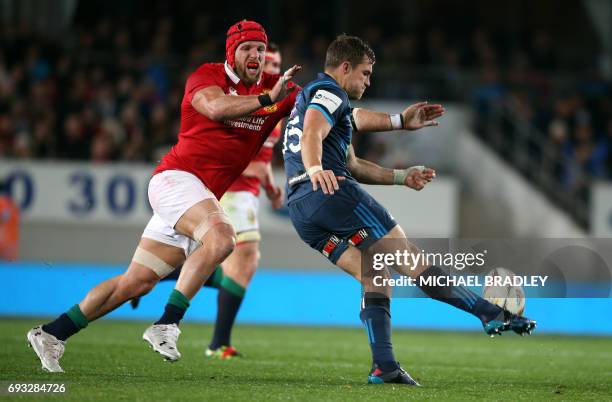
x,y
251,216
330,246
358,237
232,91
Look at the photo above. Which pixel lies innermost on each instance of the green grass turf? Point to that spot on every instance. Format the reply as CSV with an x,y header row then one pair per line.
x,y
109,361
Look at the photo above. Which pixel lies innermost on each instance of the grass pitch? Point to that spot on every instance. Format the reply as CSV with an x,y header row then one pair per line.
x,y
109,361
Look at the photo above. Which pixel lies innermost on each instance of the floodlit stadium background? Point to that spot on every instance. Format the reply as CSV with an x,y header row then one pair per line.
x,y
89,100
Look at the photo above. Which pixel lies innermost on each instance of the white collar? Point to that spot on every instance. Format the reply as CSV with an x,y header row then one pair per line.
x,y
230,73
234,77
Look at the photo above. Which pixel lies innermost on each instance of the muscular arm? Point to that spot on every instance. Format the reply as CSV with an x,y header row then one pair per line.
x,y
316,128
371,121
217,106
257,169
367,172
414,117
261,171
268,181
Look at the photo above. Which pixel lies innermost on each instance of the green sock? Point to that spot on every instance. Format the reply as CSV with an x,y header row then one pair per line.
x,y
228,284
77,317
178,299
229,300
175,308
216,278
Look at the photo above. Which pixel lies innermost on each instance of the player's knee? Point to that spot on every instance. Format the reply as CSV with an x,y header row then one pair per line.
x,y
396,233
214,225
249,254
143,287
136,285
221,241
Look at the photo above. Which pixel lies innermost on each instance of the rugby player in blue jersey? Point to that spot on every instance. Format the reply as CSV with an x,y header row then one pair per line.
x,y
334,215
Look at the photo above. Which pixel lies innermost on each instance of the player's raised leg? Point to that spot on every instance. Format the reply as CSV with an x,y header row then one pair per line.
x,y
205,222
152,260
494,319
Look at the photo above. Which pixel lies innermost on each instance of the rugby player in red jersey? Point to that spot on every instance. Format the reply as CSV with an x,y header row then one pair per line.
x,y
228,111
241,203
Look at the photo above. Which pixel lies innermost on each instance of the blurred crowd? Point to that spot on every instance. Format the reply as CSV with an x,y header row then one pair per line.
x,y
92,97
111,90
554,127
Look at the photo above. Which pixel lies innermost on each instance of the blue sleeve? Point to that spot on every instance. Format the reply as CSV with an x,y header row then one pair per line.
x,y
331,101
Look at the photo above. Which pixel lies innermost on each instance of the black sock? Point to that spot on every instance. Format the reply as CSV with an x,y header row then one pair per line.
x,y
229,300
376,317
460,297
175,309
172,276
67,324
62,327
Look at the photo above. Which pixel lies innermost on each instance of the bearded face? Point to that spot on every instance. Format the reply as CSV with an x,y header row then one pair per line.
x,y
249,61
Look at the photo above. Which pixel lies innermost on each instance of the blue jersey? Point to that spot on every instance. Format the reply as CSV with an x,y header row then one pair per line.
x,y
325,95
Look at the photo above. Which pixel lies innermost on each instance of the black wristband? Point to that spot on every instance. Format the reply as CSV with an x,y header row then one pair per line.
x,y
402,120
265,100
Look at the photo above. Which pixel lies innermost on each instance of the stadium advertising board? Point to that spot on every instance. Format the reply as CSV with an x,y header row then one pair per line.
x,y
116,194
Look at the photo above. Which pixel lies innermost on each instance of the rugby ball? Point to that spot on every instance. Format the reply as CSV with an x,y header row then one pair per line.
x,y
501,292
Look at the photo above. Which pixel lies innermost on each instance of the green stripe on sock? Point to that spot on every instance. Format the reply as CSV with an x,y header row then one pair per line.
x,y
228,284
217,277
77,317
178,299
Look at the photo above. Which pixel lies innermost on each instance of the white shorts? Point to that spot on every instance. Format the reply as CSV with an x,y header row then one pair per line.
x,y
241,208
171,194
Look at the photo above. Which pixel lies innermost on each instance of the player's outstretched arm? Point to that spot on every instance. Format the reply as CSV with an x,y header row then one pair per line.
x,y
274,193
316,128
213,103
257,169
413,117
366,172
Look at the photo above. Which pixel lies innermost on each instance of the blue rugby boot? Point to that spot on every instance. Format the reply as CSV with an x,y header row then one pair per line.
x,y
397,376
519,324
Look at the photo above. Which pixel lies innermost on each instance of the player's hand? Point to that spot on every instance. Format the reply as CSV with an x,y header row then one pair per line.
x,y
327,180
421,115
418,177
275,195
279,91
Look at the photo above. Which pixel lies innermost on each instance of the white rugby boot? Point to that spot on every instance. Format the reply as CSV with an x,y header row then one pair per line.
x,y
48,348
162,338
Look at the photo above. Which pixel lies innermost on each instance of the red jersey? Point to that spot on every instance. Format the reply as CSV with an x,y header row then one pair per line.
x,y
217,152
253,184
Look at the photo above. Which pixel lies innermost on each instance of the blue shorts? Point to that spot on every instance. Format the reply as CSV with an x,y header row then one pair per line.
x,y
330,223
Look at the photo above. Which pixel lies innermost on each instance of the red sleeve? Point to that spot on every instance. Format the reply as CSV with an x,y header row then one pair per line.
x,y
289,101
205,76
264,154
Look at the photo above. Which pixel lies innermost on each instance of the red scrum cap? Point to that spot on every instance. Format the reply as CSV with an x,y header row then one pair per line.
x,y
242,31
